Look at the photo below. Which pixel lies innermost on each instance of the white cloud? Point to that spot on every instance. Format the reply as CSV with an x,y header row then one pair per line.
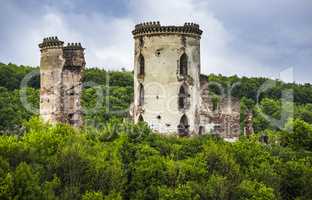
x,y
217,56
108,39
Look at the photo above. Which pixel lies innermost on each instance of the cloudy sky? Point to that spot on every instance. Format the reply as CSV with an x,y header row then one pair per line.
x,y
243,37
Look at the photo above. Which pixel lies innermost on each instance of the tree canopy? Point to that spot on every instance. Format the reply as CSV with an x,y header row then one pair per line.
x,y
111,158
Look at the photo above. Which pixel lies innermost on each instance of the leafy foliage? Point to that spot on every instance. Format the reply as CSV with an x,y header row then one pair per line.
x,y
111,158
60,162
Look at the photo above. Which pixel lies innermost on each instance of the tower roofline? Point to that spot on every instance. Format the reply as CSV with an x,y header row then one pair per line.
x,y
54,42
51,42
155,28
73,46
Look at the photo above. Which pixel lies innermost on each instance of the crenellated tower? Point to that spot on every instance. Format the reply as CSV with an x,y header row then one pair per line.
x,y
61,69
166,77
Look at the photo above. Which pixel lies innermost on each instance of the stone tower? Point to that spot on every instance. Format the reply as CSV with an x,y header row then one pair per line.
x,y
61,70
166,77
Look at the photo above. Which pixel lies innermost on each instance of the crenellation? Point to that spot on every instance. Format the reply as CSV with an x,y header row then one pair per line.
x,y
151,28
73,46
51,42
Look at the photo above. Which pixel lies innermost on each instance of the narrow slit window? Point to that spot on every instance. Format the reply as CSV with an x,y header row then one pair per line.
x,y
141,95
141,65
182,97
183,65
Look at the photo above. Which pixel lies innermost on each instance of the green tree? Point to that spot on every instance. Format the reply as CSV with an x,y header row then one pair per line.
x,y
93,196
298,135
251,190
26,183
217,188
7,187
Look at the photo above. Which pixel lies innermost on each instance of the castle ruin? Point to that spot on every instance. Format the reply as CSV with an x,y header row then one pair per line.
x,y
61,69
220,117
168,93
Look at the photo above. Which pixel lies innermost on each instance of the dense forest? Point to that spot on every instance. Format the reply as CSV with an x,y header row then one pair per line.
x,y
111,158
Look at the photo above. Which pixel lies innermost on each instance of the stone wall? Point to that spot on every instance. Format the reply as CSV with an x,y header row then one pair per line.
x,y
222,119
61,71
162,48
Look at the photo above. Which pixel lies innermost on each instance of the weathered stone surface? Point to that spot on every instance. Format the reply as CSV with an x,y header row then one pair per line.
x,y
223,119
248,127
162,48
61,73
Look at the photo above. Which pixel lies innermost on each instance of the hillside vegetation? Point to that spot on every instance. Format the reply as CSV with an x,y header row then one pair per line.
x,y
111,158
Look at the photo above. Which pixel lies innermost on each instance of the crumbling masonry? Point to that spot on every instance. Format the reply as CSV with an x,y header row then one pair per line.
x,y
223,118
61,70
168,92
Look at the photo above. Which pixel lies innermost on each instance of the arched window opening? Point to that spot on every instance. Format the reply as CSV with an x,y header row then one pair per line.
x,y
140,119
183,127
141,65
183,97
183,65
141,95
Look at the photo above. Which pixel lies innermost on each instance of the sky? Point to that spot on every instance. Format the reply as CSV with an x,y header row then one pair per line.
x,y
242,37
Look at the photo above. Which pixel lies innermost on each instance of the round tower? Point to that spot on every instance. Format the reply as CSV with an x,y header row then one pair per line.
x,y
51,66
166,77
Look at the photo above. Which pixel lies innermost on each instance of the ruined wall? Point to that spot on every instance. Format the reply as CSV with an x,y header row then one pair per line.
x,y
72,85
222,119
162,48
248,124
60,73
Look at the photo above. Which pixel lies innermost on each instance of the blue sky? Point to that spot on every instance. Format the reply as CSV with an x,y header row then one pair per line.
x,y
243,37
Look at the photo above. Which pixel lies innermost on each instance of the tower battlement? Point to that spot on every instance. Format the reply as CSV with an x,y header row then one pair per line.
x,y
148,24
155,28
49,42
73,46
